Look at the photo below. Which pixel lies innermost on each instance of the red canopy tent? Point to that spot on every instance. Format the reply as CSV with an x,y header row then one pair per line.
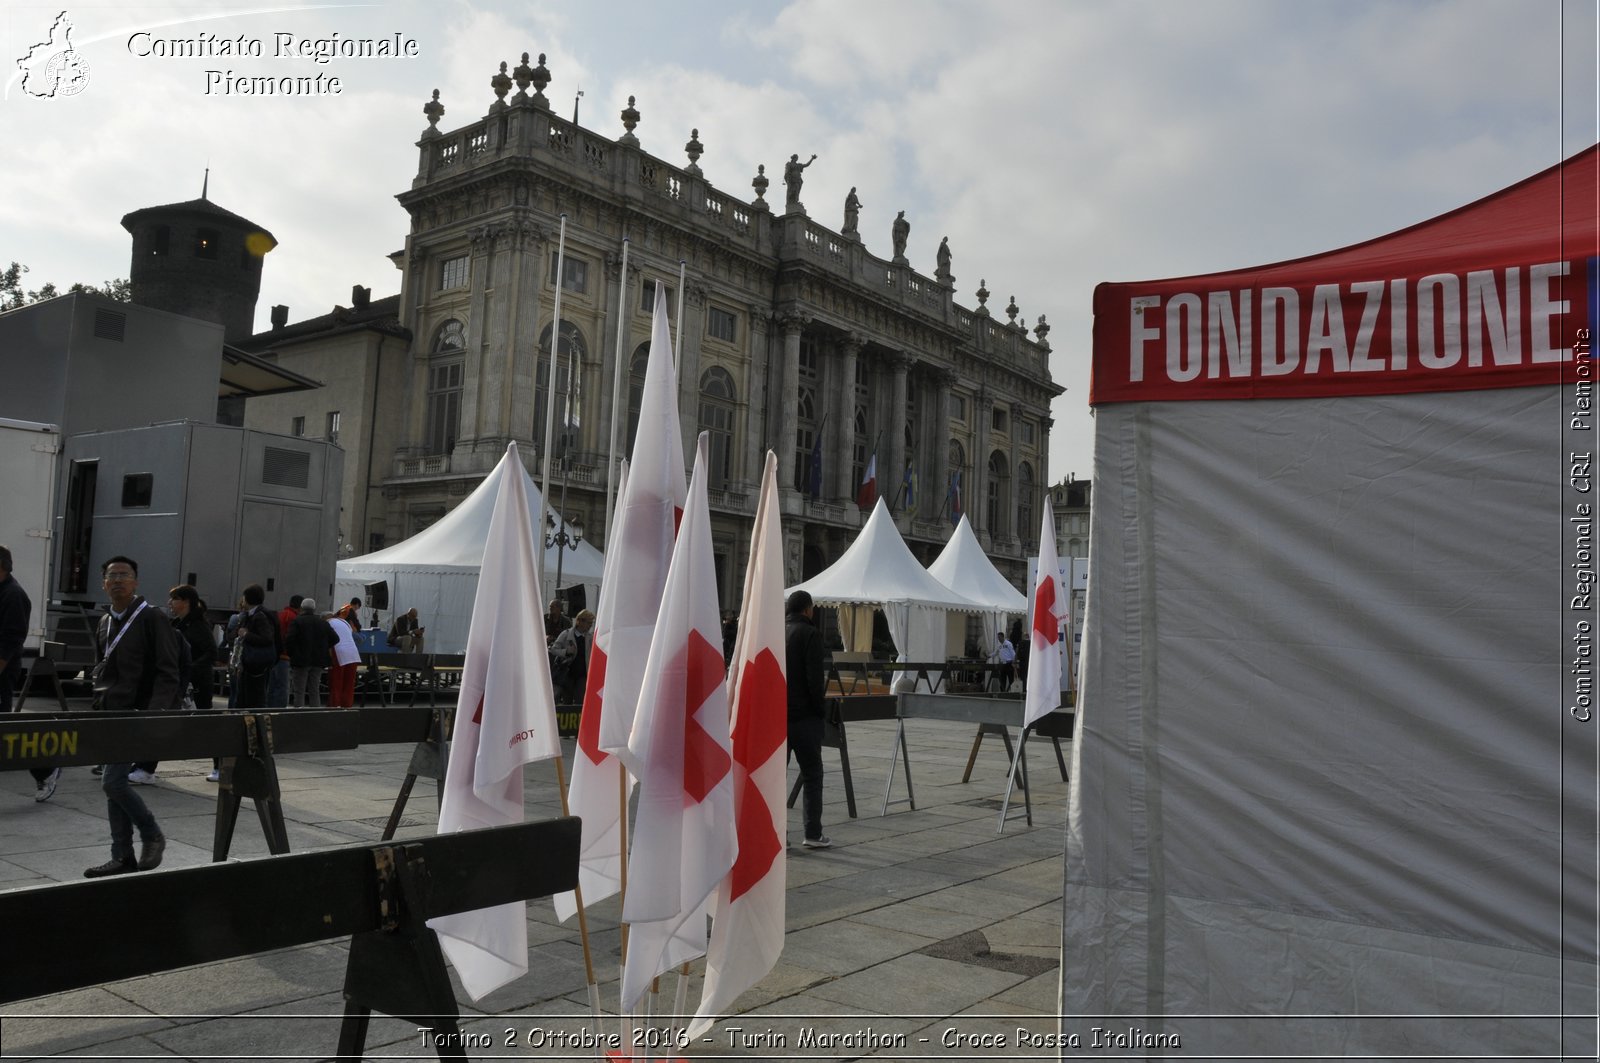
x,y
1335,756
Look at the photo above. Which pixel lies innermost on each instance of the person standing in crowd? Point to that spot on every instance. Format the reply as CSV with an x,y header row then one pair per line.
x,y
1005,659
310,641
554,622
189,620
350,612
569,659
346,657
138,670
16,609
803,656
258,632
730,635
405,633
278,685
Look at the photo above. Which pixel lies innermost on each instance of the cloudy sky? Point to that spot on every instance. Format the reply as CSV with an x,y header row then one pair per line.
x,y
1056,143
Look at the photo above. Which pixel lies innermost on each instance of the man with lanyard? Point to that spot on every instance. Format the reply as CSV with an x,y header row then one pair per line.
x,y
139,669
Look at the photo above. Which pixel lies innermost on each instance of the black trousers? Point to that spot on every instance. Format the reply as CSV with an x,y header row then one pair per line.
x,y
805,742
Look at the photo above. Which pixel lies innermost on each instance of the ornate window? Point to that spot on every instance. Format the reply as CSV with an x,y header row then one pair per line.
x,y
446,373
716,418
807,427
998,502
569,388
647,298
1027,524
636,371
574,273
453,273
721,325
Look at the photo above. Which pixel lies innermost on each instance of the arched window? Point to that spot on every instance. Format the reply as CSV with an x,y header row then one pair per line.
x,y
446,374
858,452
716,418
954,504
636,371
1027,525
569,388
999,500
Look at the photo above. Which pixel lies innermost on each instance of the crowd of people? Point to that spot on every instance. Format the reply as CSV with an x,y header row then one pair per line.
x,y
166,659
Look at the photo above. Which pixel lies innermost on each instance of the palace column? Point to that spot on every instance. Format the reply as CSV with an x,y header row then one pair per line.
x,y
890,476
755,355
977,503
937,491
844,429
789,399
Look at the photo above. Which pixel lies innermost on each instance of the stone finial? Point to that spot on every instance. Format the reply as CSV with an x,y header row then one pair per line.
x,y
524,75
694,149
1012,310
501,83
983,297
540,78
760,185
1041,330
630,118
435,111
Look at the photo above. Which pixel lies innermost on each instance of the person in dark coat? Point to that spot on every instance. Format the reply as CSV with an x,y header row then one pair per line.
x,y
310,639
807,684
189,621
140,666
16,609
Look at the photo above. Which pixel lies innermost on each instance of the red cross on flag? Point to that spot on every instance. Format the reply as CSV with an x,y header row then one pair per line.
x,y
1047,610
506,718
747,916
679,750
599,788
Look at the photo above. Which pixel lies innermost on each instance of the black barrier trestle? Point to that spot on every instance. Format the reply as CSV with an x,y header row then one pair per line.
x,y
399,968
429,760
254,775
833,737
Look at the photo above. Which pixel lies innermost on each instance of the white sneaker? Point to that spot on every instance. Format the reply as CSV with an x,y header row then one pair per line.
x,y
45,789
215,776
821,842
140,777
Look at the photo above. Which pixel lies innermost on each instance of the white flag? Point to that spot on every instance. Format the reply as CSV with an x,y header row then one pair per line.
x,y
597,793
683,842
505,718
647,521
747,916
1047,607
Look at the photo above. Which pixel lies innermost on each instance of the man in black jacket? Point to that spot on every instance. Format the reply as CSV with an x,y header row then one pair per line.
x,y
140,668
16,609
803,653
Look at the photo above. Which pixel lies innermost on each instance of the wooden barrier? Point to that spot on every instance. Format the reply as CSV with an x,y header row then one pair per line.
x,y
379,895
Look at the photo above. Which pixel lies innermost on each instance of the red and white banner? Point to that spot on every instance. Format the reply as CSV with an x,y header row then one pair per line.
x,y
647,522
1047,611
747,917
1496,294
506,717
867,493
600,787
679,750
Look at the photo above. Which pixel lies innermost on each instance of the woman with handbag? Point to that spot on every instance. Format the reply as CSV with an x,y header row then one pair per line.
x,y
258,632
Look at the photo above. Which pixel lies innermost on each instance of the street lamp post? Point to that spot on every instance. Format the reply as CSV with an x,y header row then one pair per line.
x,y
559,536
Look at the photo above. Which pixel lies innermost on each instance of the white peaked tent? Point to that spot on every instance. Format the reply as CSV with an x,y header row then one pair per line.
x,y
879,570
1336,755
436,570
966,569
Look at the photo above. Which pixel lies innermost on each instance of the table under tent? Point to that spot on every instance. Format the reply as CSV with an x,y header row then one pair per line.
x,y
1334,789
436,570
877,572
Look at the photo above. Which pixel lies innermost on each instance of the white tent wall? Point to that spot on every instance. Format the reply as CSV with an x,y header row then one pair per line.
x,y
1324,767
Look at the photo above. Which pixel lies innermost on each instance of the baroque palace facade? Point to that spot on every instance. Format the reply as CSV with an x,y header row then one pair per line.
x,y
795,338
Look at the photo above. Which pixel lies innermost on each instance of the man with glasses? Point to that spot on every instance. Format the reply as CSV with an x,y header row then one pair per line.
x,y
140,668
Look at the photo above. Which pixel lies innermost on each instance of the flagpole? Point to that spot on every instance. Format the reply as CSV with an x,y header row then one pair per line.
x,y
583,918
550,409
677,343
618,373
